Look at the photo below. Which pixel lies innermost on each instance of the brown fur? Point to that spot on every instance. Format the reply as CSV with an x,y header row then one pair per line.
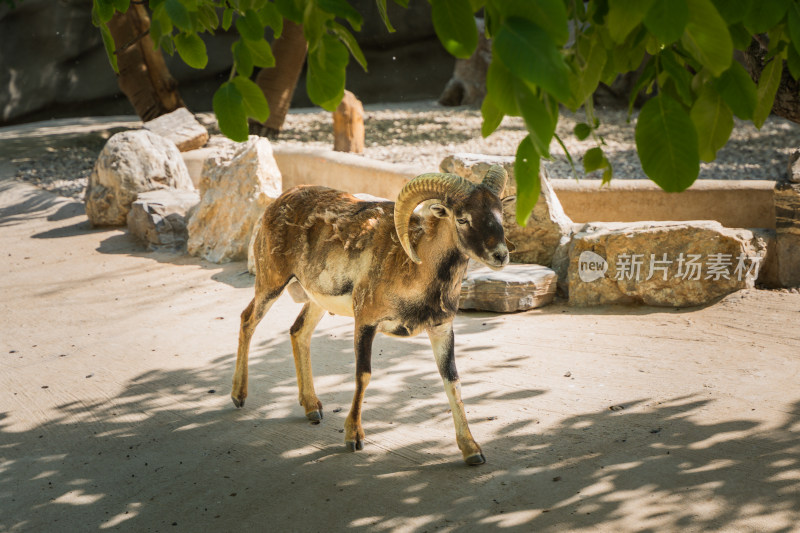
x,y
345,254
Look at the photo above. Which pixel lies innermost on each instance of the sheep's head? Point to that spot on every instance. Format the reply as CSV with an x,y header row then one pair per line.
x,y
474,212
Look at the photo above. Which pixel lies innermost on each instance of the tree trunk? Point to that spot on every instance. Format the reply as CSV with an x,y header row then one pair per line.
x,y
279,82
787,100
143,76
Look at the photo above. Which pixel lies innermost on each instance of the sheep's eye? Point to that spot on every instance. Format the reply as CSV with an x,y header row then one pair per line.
x,y
462,221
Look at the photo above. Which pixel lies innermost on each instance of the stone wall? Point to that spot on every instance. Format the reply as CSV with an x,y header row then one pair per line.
x,y
53,63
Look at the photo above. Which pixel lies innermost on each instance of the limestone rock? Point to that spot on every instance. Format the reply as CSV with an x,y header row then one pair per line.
x,y
514,288
548,227
130,163
180,127
159,217
787,230
672,264
234,191
475,166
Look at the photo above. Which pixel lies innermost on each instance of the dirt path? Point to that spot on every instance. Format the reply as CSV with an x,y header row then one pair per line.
x,y
114,407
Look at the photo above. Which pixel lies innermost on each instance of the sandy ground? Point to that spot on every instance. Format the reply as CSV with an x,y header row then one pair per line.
x,y
115,415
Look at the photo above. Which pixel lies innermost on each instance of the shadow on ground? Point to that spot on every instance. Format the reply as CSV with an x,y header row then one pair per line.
x,y
170,450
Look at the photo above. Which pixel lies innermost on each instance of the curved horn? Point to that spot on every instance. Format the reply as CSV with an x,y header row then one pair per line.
x,y
416,191
495,179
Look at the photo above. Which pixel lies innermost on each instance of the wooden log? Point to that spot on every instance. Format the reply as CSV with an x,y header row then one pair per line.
x,y
348,125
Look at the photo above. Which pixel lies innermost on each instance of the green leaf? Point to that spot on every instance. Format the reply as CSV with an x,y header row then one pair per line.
x,y
227,18
192,50
538,119
740,36
624,16
179,15
209,18
713,121
594,159
385,15
255,103
794,25
733,11
243,59
249,26
291,9
608,173
500,87
102,11
229,108
666,19
261,53
315,23
269,16
707,38
526,173
350,42
646,78
582,131
550,15
793,62
402,3
492,117
326,73
519,40
455,26
738,91
667,144
122,5
763,15
108,42
680,77
584,81
767,89
342,9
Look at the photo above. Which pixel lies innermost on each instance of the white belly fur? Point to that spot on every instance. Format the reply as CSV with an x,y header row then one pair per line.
x,y
338,305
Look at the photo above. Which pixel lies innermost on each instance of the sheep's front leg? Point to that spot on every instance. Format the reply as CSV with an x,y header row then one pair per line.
x,y
353,432
442,342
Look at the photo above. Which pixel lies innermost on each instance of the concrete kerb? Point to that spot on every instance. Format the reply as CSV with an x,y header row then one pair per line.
x,y
732,203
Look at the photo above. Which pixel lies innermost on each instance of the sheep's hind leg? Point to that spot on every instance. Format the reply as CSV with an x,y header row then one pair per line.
x,y
301,332
442,342
353,432
251,316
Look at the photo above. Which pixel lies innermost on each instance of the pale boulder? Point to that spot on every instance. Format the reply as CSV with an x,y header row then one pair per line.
x,y
158,218
514,288
180,127
235,188
672,264
548,228
130,163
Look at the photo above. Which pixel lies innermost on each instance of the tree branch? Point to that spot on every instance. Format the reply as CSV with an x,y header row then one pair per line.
x,y
131,42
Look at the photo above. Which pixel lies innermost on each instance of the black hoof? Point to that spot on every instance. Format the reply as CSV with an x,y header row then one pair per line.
x,y
475,460
237,402
353,446
315,416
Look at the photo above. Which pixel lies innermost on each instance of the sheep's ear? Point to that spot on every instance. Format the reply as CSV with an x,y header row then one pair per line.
x,y
439,210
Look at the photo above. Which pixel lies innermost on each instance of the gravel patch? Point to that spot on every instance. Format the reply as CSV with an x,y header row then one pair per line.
x,y
421,134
